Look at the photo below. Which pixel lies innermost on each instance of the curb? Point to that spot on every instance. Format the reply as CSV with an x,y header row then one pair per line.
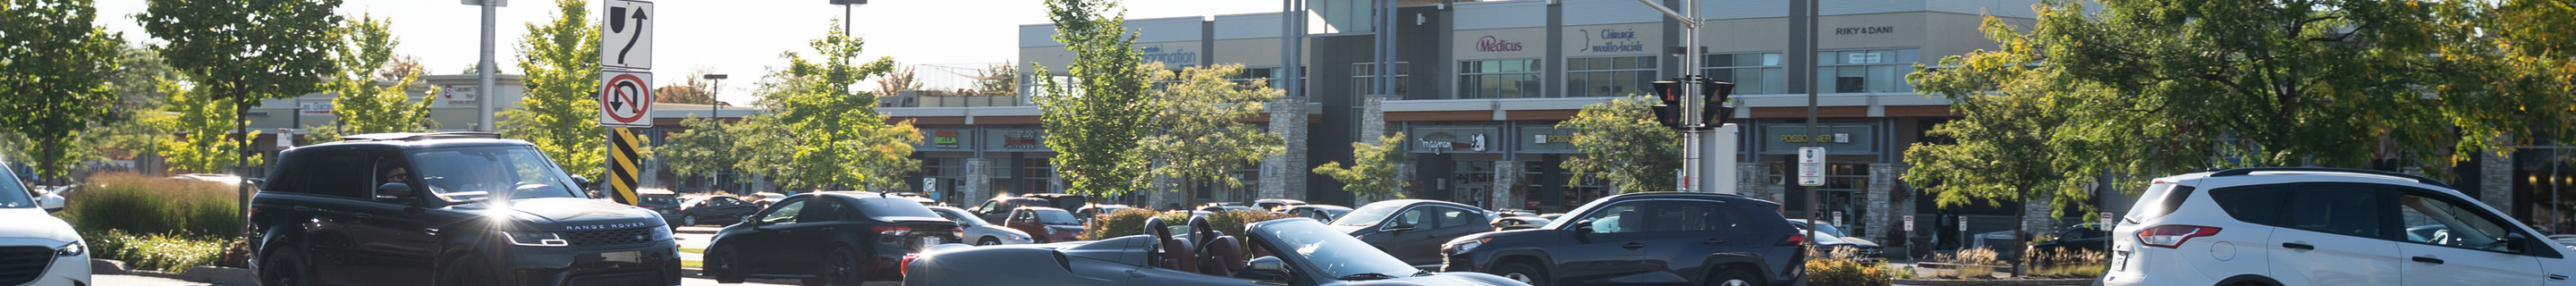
x,y
2020,282
206,274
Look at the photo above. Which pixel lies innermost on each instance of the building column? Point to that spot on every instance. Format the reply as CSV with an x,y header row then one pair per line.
x,y
1506,175
2035,219
1373,118
1284,175
1881,208
975,187
2495,180
1750,181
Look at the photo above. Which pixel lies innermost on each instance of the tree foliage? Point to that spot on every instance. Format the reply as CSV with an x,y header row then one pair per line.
x,y
1372,172
1621,142
694,89
840,138
201,119
240,52
901,79
702,150
1200,139
365,104
53,78
1095,116
561,59
998,79
2538,42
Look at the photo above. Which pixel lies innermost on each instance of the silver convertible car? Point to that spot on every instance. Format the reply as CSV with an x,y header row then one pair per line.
x,y
1315,255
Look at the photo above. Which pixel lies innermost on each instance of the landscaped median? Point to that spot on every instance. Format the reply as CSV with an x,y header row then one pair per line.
x,y
153,223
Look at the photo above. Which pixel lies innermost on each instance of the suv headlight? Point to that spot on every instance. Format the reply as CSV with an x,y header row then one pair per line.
x,y
535,238
1469,245
661,233
73,249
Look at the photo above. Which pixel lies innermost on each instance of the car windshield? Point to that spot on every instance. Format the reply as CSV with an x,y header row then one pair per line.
x,y
958,215
1057,217
661,200
1334,253
881,208
1368,215
465,175
1829,229
13,192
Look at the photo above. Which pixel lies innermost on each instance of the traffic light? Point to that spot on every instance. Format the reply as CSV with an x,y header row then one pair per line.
x,y
1668,107
1714,111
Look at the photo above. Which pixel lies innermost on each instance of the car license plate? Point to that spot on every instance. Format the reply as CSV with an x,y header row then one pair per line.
x,y
2119,261
928,241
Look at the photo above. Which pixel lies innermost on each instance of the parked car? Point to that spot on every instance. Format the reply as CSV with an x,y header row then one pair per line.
x,y
827,238
1412,230
1276,205
2081,237
980,232
1829,229
1282,251
1060,200
446,209
661,201
1659,238
1092,211
1227,207
1520,223
720,210
765,199
2318,226
35,247
1861,250
1321,213
993,210
1048,224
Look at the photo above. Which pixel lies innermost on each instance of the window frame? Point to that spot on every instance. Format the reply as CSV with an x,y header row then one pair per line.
x,y
1648,69
2398,210
1777,68
1898,58
1534,68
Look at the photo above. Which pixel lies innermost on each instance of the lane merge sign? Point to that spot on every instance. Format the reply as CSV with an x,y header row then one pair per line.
x,y
625,99
626,36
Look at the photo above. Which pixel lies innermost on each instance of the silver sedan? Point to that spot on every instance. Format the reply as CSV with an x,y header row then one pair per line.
x,y
979,232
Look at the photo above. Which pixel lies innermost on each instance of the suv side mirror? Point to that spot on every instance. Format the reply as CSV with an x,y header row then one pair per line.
x,y
393,193
584,182
2516,242
50,202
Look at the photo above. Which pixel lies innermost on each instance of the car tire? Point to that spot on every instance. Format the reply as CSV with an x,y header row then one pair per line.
x,y
841,268
1522,272
725,265
465,271
988,241
689,220
284,268
1734,278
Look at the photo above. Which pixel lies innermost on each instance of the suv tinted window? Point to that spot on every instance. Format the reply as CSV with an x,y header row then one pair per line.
x,y
2160,199
2259,205
1453,217
338,174
784,213
2345,210
2443,223
1690,216
880,208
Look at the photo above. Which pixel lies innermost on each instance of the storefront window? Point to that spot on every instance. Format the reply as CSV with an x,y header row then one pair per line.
x,y
1752,73
1864,70
1364,76
1499,79
1609,76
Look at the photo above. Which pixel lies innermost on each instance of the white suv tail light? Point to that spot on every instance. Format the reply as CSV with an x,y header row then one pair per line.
x,y
2170,236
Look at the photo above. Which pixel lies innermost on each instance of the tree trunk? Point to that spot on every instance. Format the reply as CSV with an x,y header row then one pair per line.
x,y
241,127
2021,222
52,148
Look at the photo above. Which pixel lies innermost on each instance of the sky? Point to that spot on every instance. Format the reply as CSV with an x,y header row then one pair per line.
x,y
741,38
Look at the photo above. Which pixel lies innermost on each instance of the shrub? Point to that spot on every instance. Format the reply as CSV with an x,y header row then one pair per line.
x,y
1833,270
1132,222
161,252
141,204
1972,263
2073,263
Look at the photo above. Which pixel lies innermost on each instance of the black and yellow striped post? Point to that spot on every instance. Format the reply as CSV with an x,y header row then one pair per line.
x,y
622,162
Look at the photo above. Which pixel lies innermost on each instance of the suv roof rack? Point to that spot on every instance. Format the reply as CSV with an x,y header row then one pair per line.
x,y
419,136
2247,171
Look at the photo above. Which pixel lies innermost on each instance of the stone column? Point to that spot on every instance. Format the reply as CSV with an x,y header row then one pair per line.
x,y
1373,118
1751,180
1284,175
1506,174
975,187
2035,219
2495,180
1881,208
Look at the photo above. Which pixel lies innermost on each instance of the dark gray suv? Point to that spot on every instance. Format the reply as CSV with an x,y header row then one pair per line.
x,y
1661,238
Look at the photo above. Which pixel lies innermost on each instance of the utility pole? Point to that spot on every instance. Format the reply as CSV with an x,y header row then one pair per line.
x,y
485,70
1693,173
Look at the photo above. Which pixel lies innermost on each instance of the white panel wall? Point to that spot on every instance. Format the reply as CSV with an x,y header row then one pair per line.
x,y
1038,35
1743,9
1597,12
1166,29
1498,15
1247,26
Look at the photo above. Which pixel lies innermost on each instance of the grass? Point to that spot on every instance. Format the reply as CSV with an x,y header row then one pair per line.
x,y
1975,256
693,264
140,204
160,252
693,250
2078,263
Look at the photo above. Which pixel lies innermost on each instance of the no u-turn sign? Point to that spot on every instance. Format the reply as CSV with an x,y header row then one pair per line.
x,y
625,98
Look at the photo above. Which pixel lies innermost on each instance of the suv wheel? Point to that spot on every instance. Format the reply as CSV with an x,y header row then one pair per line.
x,y
839,269
689,220
725,265
465,271
284,269
1734,278
1522,272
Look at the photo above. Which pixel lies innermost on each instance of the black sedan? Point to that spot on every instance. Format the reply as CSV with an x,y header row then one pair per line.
x,y
712,210
2088,238
827,238
1313,254
1414,229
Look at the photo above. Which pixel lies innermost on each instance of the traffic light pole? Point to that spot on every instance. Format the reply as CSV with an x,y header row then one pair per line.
x,y
1693,173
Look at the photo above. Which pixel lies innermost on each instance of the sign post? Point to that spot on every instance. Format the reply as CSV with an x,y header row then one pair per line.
x,y
625,89
1909,224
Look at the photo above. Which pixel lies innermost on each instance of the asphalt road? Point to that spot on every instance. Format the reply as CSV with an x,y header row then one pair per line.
x,y
126,280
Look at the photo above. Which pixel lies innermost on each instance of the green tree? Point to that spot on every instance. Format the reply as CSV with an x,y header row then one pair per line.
x,y
1621,142
1200,139
2538,42
364,104
2161,87
1372,173
239,52
54,73
2009,146
1095,116
694,89
998,79
841,139
561,59
702,150
200,119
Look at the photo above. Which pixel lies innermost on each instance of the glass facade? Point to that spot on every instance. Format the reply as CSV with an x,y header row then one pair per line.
x,y
1856,71
1752,73
1499,79
1609,76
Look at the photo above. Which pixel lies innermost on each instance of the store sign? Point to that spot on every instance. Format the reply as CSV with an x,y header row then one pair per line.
x,y
1551,139
313,107
1171,56
1492,44
459,94
1785,138
1438,141
1865,30
1023,139
1610,41
943,139
1818,138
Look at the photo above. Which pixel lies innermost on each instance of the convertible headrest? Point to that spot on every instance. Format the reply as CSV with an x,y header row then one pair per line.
x,y
1154,226
1200,231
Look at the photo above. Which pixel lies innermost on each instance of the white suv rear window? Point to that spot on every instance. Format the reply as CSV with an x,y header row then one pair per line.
x,y
2160,199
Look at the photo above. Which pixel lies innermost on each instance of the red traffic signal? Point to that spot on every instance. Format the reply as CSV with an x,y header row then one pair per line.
x,y
1669,103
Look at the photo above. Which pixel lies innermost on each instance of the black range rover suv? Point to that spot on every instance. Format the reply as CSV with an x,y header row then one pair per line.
x,y
446,209
1661,238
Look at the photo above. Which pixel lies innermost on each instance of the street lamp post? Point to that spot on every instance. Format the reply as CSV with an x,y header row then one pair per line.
x,y
846,18
717,173
485,69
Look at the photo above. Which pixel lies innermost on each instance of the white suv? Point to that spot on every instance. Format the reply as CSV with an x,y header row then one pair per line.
x,y
2314,226
35,247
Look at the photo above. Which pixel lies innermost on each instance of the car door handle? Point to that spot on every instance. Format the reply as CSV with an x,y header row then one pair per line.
x,y
2298,246
1714,241
1633,246
2428,259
